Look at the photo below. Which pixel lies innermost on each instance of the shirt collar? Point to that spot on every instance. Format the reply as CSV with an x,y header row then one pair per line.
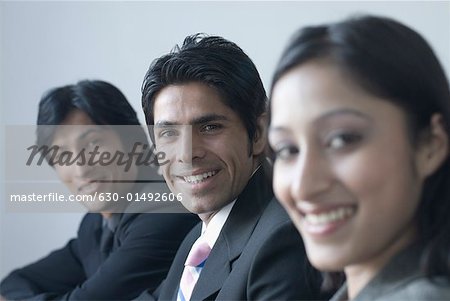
x,y
112,222
211,232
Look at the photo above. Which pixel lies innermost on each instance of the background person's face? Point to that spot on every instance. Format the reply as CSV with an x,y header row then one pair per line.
x,y
79,133
345,170
209,160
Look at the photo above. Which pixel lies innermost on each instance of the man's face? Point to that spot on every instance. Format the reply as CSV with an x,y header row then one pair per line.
x,y
78,133
207,145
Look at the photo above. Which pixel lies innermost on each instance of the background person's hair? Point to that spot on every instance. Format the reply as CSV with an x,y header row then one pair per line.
x,y
101,101
393,62
105,105
219,64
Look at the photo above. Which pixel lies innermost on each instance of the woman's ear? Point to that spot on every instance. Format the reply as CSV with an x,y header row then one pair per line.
x,y
433,147
260,138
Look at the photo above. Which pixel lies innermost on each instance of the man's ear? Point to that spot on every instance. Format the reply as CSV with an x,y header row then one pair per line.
x,y
433,147
260,138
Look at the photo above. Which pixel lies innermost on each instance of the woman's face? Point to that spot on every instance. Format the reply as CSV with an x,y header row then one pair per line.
x,y
346,171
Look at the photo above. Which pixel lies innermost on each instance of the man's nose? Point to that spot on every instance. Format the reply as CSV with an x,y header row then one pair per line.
x,y
191,146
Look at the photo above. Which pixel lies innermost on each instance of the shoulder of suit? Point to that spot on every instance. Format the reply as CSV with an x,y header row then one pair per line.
x,y
421,288
273,221
90,220
274,213
89,224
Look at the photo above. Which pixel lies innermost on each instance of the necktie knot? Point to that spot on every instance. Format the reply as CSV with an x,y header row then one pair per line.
x,y
198,254
192,269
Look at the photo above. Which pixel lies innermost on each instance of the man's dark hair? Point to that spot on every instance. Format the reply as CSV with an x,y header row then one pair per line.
x,y
104,104
219,64
101,101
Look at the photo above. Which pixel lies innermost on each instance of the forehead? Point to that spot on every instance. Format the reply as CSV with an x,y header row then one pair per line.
x,y
75,126
315,89
181,104
77,117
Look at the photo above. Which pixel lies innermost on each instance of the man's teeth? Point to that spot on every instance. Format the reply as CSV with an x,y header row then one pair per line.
x,y
330,216
88,187
199,178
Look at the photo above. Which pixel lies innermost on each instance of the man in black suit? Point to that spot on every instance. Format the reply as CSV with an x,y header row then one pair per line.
x,y
118,251
208,107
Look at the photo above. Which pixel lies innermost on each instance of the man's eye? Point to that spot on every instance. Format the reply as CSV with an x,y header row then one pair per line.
x,y
344,140
286,152
211,127
93,143
168,133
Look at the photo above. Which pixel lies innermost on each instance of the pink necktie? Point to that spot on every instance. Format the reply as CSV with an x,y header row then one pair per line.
x,y
192,268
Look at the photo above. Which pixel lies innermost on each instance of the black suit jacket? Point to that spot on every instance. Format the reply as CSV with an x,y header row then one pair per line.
x,y
258,255
143,249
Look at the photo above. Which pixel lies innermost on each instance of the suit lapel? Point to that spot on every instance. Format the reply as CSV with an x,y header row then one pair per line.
x,y
91,244
169,290
214,273
234,236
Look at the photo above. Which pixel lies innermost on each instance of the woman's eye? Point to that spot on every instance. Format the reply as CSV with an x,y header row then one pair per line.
x,y
286,152
343,140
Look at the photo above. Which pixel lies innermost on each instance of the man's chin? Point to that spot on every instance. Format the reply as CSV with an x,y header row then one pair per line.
x,y
198,206
98,206
94,208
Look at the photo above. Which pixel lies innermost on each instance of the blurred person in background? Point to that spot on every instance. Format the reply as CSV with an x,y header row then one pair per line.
x,y
117,252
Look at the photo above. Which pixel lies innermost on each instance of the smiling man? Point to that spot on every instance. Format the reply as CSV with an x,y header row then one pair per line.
x,y
208,107
119,250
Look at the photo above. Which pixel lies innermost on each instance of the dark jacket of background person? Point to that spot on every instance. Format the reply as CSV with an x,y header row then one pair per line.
x,y
142,252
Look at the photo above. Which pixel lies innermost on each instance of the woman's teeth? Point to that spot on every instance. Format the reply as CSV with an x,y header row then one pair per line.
x,y
330,216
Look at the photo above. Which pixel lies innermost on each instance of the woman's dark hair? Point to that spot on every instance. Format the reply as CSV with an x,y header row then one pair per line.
x,y
216,62
393,62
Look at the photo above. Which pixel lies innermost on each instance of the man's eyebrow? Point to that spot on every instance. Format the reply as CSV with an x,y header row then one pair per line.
x,y
80,137
208,118
84,134
165,123
196,121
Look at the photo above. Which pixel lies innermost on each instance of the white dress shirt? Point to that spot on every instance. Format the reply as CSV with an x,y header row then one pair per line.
x,y
211,232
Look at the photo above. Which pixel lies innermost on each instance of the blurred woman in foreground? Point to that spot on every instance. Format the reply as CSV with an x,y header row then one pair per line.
x,y
360,115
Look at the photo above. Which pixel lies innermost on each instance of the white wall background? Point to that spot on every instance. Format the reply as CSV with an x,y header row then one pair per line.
x,y
47,44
